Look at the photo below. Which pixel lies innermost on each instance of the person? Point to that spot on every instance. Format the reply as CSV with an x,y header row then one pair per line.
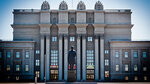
x,y
71,58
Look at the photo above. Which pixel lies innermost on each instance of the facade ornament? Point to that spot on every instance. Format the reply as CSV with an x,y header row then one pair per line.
x,y
63,6
98,6
81,6
45,6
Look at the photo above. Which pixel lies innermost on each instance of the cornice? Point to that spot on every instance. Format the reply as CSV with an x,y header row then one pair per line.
x,y
45,25
119,25
63,25
24,25
81,25
99,25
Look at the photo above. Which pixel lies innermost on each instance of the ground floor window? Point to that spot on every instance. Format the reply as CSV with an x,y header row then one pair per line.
x,y
145,78
126,78
54,74
106,74
90,74
135,78
37,74
17,77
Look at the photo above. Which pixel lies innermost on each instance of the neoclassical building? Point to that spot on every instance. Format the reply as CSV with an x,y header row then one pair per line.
x,y
101,39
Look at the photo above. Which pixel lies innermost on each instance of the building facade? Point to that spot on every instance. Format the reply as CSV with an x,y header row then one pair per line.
x,y
101,38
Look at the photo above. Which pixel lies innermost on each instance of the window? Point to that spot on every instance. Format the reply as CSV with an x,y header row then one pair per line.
x,y
17,54
8,67
17,67
126,67
90,57
8,54
106,74
106,51
117,54
144,68
144,55
135,78
26,67
126,54
37,62
37,74
54,39
145,77
106,62
126,78
90,39
37,52
135,54
17,77
27,54
54,57
135,68
72,20
0,54
54,21
117,67
0,68
90,74
72,38
54,74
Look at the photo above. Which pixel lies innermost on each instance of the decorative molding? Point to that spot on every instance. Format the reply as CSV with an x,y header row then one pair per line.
x,y
119,25
24,25
45,25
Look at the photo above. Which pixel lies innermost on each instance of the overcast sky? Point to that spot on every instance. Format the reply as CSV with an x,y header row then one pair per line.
x,y
140,15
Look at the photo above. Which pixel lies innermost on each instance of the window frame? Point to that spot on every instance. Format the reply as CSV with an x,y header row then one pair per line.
x,y
8,57
90,38
72,39
17,54
27,54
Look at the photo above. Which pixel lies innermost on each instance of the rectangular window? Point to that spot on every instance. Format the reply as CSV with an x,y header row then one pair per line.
x,y
8,67
106,62
144,68
135,54
37,74
90,39
145,78
126,78
37,62
0,54
54,39
135,68
107,74
17,67
27,54
8,54
106,51
90,58
144,55
72,38
37,51
117,54
117,67
26,67
126,67
17,77
54,57
17,54
126,54
135,78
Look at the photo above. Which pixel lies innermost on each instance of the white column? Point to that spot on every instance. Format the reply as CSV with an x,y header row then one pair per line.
x,y
78,59
96,59
47,57
102,57
42,58
65,58
60,57
83,58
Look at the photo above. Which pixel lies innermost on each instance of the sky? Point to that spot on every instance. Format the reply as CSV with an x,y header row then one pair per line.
x,y
140,13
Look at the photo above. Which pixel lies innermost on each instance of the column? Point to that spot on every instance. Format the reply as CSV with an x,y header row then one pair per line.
x,y
47,57
65,57
60,57
102,57
78,59
83,58
96,59
42,58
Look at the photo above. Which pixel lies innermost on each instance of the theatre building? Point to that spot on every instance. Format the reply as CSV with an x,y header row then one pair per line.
x,y
101,40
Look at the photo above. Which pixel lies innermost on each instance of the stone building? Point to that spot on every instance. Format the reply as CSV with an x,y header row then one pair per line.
x,y
101,38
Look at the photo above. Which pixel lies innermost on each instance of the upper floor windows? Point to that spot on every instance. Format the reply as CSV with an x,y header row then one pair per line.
x,y
27,54
144,68
26,67
90,57
144,55
54,39
135,54
37,62
90,39
37,51
116,54
126,54
8,54
117,67
135,68
54,57
8,68
17,54
0,54
17,67
106,51
106,62
72,38
126,67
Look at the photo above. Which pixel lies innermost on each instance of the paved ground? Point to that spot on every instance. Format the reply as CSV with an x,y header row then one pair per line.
x,y
85,83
